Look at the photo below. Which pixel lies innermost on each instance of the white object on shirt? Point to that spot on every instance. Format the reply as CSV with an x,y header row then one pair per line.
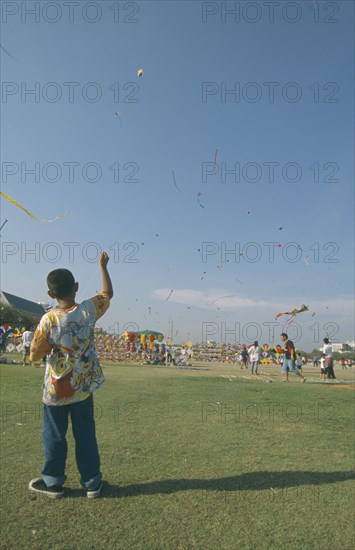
x,y
254,353
328,350
27,337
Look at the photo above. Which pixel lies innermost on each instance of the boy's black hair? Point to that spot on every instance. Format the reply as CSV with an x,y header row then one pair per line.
x,y
60,282
284,334
326,340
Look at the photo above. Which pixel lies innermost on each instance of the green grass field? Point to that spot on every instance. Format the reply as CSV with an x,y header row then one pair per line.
x,y
191,460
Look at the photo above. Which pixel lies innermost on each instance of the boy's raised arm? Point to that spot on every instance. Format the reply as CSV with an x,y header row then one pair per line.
x,y
106,280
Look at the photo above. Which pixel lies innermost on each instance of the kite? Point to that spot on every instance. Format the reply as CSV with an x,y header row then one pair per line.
x,y
215,160
279,245
171,291
293,313
8,53
178,188
202,276
119,118
13,201
219,266
198,200
220,298
280,228
149,310
240,282
3,224
247,211
306,260
140,72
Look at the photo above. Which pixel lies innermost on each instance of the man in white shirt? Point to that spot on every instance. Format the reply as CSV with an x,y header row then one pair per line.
x,y
27,338
254,354
328,364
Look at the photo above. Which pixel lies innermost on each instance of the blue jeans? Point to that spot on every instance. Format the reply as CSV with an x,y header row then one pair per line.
x,y
289,365
55,426
254,366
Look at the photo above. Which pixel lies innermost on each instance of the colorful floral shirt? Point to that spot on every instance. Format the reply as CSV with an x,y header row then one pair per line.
x,y
66,337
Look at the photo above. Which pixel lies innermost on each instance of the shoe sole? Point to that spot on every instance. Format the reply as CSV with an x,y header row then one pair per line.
x,y
46,493
94,494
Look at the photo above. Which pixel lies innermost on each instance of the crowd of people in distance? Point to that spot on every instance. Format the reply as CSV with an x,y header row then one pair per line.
x,y
114,348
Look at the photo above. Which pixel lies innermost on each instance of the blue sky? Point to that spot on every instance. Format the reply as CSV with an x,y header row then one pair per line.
x,y
173,119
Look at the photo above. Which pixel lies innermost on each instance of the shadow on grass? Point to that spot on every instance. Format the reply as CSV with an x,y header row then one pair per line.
x,y
253,481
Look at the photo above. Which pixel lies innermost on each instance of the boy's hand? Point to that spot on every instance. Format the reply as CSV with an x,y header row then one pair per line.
x,y
103,259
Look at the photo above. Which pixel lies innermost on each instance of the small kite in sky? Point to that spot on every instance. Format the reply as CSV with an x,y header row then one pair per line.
x,y
219,266
119,117
202,276
294,312
171,291
8,53
13,201
279,245
240,282
306,260
178,188
3,224
140,72
149,310
280,228
220,298
198,199
247,211
215,161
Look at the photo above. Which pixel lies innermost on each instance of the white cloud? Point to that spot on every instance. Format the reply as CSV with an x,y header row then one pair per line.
x,y
211,299
225,300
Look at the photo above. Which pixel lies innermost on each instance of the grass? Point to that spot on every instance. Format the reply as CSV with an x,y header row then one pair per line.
x,y
191,461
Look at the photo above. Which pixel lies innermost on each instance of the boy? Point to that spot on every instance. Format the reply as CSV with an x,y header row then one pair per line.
x,y
27,338
299,363
73,372
244,357
289,360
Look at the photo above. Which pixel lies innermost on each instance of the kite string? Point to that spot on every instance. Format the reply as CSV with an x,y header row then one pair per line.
x,y
90,280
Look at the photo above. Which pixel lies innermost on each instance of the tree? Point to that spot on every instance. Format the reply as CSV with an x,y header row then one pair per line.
x,y
15,318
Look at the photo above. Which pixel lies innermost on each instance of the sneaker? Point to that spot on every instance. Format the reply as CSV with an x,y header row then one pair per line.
x,y
37,485
94,493
303,381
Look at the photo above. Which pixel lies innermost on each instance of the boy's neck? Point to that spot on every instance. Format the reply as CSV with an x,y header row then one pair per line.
x,y
66,303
